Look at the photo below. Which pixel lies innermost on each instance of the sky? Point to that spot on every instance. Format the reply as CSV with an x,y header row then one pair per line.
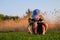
x,y
19,7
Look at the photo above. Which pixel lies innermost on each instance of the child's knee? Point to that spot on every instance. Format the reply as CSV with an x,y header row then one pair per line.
x,y
35,24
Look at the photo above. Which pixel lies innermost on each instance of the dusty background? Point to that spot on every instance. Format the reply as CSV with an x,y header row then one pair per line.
x,y
21,25
52,18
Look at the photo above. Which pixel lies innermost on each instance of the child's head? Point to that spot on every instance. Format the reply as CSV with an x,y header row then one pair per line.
x,y
35,13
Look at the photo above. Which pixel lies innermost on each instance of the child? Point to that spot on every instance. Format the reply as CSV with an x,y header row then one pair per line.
x,y
36,17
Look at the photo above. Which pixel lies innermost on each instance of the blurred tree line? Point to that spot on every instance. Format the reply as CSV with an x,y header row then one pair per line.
x,y
6,17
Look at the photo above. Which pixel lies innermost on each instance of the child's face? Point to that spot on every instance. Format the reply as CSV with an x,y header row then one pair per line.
x,y
37,17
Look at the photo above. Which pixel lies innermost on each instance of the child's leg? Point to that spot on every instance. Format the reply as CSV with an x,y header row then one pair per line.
x,y
35,27
43,30
45,27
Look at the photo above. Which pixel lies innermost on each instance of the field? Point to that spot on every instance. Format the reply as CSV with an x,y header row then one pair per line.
x,y
50,35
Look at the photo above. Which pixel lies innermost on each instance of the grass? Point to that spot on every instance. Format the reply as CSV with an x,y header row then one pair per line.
x,y
50,35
